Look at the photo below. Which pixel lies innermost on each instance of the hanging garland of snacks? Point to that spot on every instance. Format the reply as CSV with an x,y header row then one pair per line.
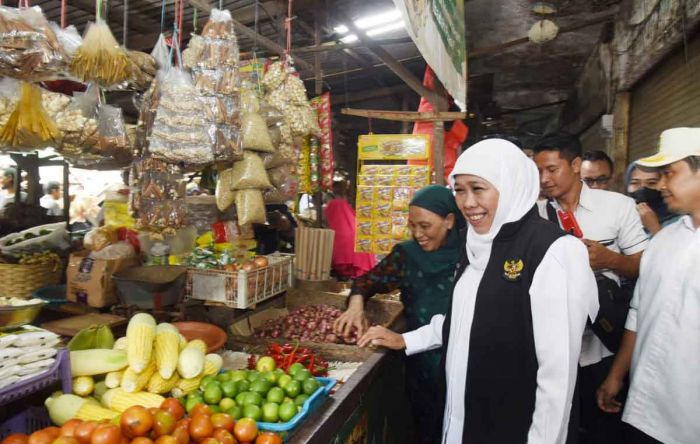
x,y
100,59
29,126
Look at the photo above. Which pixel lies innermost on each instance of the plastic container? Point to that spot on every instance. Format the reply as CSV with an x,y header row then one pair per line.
x,y
54,295
60,371
27,421
213,336
310,405
151,287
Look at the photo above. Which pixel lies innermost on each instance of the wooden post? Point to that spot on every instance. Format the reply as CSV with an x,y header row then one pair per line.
x,y
318,90
404,107
621,130
66,194
439,152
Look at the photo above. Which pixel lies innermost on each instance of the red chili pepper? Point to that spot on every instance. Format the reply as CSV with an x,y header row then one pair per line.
x,y
311,365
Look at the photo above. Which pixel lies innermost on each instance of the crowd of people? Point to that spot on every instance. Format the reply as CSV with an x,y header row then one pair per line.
x,y
564,312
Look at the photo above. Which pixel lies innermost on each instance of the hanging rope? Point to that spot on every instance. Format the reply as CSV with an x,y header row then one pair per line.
x,y
221,5
162,15
194,20
125,25
63,14
288,24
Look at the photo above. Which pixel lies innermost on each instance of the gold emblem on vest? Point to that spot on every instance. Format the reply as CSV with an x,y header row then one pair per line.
x,y
512,269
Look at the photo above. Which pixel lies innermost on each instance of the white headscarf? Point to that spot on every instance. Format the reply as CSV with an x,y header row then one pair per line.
x,y
515,177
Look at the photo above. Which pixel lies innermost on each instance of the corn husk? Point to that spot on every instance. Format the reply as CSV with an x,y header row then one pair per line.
x,y
100,59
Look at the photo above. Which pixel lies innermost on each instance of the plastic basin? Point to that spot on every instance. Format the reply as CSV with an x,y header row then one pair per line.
x,y
213,336
55,295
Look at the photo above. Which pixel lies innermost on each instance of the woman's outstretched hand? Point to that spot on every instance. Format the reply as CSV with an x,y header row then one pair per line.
x,y
382,337
354,316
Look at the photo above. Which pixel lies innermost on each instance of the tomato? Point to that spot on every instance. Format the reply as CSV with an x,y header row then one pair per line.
x,y
201,409
83,432
201,427
209,441
16,438
268,438
222,421
163,423
141,440
223,436
166,439
42,436
245,430
65,440
69,428
173,406
136,421
106,434
181,435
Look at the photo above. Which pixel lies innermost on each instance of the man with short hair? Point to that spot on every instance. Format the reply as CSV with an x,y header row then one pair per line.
x,y
597,169
609,224
52,199
662,337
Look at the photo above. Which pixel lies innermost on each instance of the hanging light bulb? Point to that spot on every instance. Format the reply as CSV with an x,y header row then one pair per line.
x,y
543,31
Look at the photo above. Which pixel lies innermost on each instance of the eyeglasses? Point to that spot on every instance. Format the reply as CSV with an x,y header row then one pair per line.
x,y
592,181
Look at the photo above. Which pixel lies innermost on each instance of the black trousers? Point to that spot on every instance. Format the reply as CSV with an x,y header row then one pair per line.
x,y
596,426
636,436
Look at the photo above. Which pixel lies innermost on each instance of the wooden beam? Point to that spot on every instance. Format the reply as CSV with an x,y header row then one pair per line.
x,y
621,132
142,22
335,46
393,64
402,90
374,67
405,116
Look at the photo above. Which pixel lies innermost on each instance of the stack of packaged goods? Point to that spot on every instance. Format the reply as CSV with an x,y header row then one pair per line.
x,y
26,352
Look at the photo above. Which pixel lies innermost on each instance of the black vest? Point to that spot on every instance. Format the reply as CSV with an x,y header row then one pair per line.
x,y
502,369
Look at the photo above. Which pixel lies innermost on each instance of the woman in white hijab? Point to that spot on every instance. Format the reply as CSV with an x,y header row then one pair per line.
x,y
523,292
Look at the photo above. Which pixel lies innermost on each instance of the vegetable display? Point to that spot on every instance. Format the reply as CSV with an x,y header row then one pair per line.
x,y
307,323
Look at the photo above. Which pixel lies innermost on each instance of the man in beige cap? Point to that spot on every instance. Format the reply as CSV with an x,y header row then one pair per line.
x,y
661,346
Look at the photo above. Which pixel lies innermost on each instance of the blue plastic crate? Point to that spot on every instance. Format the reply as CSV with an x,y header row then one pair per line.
x,y
60,371
310,405
27,421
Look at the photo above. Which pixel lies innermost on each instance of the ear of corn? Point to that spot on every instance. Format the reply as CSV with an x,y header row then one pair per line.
x,y
121,344
190,363
201,345
159,385
90,411
212,364
64,407
167,349
133,382
183,342
140,334
114,379
186,386
119,400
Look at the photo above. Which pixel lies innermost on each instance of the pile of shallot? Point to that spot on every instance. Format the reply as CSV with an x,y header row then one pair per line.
x,y
312,323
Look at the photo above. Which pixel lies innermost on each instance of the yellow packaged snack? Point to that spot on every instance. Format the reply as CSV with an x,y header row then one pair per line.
x,y
370,170
402,170
382,244
382,210
381,227
365,193
364,211
383,194
364,227
364,245
380,181
402,181
401,198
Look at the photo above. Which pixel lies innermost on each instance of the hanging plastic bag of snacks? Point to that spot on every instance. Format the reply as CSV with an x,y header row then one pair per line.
x,y
161,53
193,52
179,132
112,131
159,197
274,160
69,38
249,98
295,90
29,126
100,59
225,195
275,76
250,207
29,49
254,133
249,173
322,105
78,123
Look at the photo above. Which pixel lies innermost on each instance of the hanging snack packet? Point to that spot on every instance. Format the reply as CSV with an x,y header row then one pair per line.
x,y
275,76
249,98
100,59
254,133
249,173
225,196
250,207
112,137
29,126
161,53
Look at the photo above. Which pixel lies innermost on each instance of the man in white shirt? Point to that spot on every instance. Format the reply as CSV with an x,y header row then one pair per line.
x,y
610,226
52,199
662,338
597,170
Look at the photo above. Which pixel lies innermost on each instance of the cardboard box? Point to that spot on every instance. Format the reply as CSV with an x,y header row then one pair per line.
x,y
89,281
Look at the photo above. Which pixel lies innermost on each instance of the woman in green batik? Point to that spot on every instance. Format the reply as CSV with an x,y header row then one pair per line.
x,y
423,268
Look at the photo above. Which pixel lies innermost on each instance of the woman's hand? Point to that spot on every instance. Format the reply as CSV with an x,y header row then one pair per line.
x,y
383,337
606,395
354,316
649,219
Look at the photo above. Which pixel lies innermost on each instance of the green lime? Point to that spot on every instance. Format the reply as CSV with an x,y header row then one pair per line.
x,y
287,411
252,411
293,389
242,386
215,408
240,397
253,398
270,412
310,386
223,377
253,376
300,400
189,405
270,377
261,386
235,412
275,394
213,394
227,403
278,371
302,375
239,375
229,389
295,368
206,380
283,380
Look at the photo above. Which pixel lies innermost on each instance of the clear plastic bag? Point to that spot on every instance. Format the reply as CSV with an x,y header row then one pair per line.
x,y
69,38
112,131
278,175
254,133
29,49
192,54
100,59
250,207
78,123
295,90
225,195
275,76
29,126
249,98
249,173
161,53
179,132
274,160
9,94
